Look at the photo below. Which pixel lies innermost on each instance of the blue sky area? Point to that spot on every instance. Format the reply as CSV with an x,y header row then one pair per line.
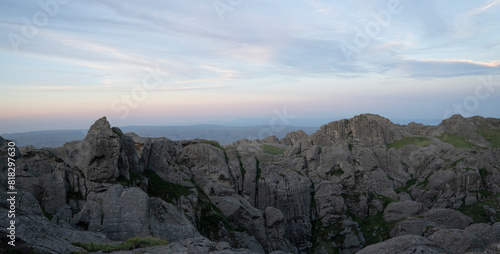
x,y
65,63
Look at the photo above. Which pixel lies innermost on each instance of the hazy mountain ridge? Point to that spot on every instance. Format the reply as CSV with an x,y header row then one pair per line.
x,y
352,183
222,134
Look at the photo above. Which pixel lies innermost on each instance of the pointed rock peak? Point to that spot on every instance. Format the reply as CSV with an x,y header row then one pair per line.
x,y
101,124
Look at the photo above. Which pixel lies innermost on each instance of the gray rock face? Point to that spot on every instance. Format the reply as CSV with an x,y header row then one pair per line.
x,y
412,226
36,231
448,218
401,210
166,222
488,234
125,213
456,241
370,130
407,244
103,147
119,213
353,183
428,222
245,241
192,245
275,229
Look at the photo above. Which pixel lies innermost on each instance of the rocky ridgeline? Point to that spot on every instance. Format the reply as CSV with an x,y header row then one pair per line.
x,y
361,185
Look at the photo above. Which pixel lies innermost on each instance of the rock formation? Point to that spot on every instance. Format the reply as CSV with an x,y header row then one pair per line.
x,y
360,185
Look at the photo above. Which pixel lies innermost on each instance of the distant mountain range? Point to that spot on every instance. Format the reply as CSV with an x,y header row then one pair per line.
x,y
224,134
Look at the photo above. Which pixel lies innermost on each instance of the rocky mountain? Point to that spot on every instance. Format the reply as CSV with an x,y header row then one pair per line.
x,y
359,185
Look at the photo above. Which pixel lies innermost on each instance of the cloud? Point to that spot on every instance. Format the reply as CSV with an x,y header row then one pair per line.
x,y
432,68
490,4
110,88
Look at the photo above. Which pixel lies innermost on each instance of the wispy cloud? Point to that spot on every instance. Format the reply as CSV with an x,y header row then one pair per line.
x,y
260,49
431,68
489,5
110,88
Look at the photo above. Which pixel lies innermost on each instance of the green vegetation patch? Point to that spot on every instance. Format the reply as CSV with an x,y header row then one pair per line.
x,y
167,191
492,136
483,193
478,214
337,172
385,200
455,163
405,164
483,173
418,141
242,169
319,247
423,183
210,217
130,244
375,229
123,180
73,195
269,149
324,236
117,131
456,141
405,188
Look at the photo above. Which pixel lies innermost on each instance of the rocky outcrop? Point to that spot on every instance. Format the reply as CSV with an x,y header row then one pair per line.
x,y
360,185
400,210
407,244
456,241
192,245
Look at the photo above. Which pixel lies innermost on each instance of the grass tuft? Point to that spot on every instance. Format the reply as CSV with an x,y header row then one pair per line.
x,y
456,141
167,191
405,188
492,136
269,149
477,212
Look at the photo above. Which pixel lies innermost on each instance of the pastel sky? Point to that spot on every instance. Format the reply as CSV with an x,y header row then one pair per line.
x,y
65,63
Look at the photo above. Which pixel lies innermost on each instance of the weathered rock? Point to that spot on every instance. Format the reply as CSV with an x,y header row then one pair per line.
x,y
245,241
102,149
324,185
370,130
400,210
329,202
166,222
240,212
447,218
274,229
192,245
119,213
456,241
413,226
407,244
488,234
37,232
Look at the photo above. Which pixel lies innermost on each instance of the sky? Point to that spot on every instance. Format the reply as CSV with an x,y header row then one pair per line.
x,y
66,63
